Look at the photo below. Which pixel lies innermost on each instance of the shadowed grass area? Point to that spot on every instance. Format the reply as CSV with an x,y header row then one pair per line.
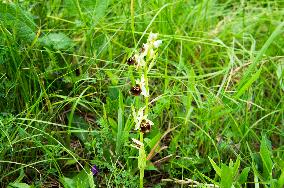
x,y
216,93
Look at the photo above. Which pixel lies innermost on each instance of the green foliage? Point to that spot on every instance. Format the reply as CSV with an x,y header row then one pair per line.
x,y
57,41
89,12
18,185
17,22
82,128
81,180
262,168
265,154
280,74
216,90
230,176
120,123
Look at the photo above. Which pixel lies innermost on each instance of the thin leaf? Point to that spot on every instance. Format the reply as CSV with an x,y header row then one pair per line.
x,y
248,83
259,55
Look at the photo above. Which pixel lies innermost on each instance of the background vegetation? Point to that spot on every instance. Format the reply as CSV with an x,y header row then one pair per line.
x,y
65,103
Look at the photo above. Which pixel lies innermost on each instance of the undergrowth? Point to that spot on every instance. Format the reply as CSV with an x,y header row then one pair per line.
x,y
216,93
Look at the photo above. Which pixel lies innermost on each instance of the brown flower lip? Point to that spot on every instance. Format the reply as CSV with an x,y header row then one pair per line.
x,y
136,90
131,61
142,49
145,126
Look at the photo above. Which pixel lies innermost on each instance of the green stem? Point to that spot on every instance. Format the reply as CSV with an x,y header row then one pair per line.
x,y
146,99
132,20
141,169
141,177
147,89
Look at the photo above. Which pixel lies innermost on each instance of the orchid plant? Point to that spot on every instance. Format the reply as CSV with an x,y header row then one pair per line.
x,y
143,61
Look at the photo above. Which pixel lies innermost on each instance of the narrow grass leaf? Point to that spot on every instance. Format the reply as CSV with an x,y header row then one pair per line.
x,y
259,55
248,83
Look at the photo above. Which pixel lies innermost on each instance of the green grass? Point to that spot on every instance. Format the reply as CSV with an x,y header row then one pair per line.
x,y
216,93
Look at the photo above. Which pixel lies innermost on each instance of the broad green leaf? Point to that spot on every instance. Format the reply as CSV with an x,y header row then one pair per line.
x,y
244,175
91,180
236,167
81,180
21,176
71,162
280,74
18,185
101,8
265,154
92,9
151,167
67,182
226,176
216,168
17,21
82,128
281,179
120,123
57,41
